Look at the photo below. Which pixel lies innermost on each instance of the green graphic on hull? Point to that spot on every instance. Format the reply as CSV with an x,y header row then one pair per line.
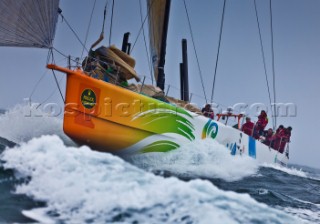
x,y
160,146
162,121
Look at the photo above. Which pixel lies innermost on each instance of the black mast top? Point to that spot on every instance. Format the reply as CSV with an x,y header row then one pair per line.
x,y
162,60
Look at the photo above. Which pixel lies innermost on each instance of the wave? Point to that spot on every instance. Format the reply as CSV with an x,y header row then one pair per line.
x,y
81,185
201,158
304,202
24,122
305,214
289,170
5,142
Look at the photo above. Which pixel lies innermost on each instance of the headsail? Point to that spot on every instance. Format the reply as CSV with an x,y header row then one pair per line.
x,y
28,23
158,25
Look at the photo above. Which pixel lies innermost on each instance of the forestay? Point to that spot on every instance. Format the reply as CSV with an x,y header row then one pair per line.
x,y
28,23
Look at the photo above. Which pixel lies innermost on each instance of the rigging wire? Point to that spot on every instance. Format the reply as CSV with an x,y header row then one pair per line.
x,y
74,32
37,84
218,53
89,25
55,77
111,23
64,55
273,67
145,43
263,59
49,56
52,93
195,51
39,81
141,28
50,53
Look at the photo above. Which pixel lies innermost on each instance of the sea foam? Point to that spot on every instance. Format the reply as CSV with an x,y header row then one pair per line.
x,y
288,170
200,158
81,185
24,122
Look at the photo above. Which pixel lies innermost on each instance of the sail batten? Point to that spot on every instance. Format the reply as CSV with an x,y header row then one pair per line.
x,y
28,23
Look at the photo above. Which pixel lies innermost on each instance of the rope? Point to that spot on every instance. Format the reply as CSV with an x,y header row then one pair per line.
x,y
104,16
145,44
111,23
263,58
89,25
273,67
218,53
195,51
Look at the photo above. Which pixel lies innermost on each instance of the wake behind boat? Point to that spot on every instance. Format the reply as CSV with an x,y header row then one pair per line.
x,y
107,113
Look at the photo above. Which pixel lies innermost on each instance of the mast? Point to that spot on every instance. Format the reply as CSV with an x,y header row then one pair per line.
x,y
161,76
184,72
158,11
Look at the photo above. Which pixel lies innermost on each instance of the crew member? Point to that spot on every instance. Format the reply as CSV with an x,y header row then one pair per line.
x,y
285,138
279,138
247,127
260,125
268,138
207,111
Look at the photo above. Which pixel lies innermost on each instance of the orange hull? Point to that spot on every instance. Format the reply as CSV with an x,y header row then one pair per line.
x,y
104,116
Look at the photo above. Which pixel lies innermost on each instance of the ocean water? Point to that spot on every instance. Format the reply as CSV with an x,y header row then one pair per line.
x,y
46,178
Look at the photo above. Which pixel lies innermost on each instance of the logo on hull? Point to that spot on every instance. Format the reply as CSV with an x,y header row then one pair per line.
x,y
88,98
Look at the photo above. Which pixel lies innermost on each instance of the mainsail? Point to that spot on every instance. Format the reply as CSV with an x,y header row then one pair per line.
x,y
28,23
158,11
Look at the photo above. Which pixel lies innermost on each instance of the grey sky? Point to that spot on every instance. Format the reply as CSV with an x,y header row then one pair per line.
x,y
240,74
